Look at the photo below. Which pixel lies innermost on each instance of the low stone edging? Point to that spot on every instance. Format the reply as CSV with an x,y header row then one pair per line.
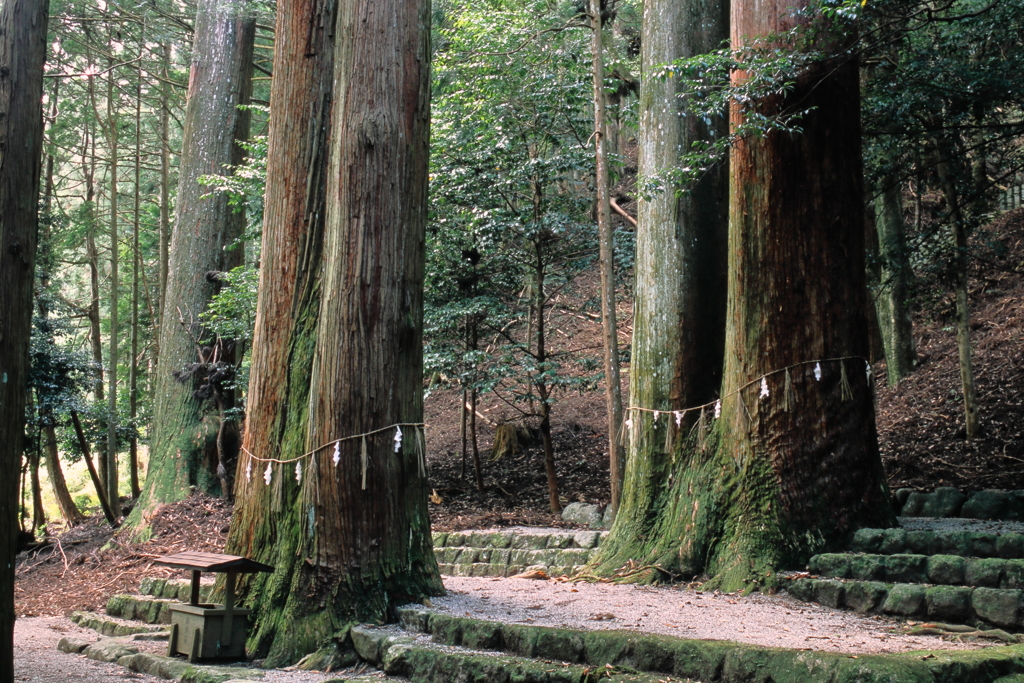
x,y
1000,608
947,501
709,661
1009,545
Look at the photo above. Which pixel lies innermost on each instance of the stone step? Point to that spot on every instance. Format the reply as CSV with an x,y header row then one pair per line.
x,y
666,656
420,659
145,609
987,607
950,570
1007,546
173,589
506,553
947,501
110,626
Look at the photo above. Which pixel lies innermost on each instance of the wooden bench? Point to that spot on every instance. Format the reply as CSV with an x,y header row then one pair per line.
x,y
208,631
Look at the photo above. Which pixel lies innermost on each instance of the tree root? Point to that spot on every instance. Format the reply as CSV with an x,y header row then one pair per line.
x,y
960,631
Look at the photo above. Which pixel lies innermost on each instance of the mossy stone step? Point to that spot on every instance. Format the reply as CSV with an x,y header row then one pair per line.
x,y
556,540
950,570
718,661
104,625
424,661
1007,546
173,589
145,609
506,553
1001,608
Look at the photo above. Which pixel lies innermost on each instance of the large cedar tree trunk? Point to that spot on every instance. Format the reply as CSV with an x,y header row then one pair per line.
x,y
22,54
680,283
184,452
798,468
338,343
792,466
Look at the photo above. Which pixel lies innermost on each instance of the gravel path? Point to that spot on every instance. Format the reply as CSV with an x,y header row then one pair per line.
x,y
37,659
777,621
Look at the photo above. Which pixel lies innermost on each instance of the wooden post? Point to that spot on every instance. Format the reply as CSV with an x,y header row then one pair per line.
x,y
229,610
194,598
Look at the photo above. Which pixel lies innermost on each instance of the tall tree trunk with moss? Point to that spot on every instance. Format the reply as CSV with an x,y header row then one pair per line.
x,y
792,466
337,352
679,330
892,305
184,449
22,54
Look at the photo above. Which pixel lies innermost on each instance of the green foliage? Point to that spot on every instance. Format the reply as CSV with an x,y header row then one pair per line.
x,y
511,187
943,88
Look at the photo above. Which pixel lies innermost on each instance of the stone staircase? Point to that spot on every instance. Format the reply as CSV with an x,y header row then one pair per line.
x,y
948,576
507,553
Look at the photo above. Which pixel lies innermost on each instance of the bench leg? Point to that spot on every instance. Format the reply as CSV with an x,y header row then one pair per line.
x,y
172,641
196,646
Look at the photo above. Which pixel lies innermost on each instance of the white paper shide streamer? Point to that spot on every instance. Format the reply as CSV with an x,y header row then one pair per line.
x,y
398,439
267,474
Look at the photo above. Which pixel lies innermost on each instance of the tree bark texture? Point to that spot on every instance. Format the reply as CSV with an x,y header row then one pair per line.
x,y
113,135
958,227
892,297
183,452
606,240
800,462
679,328
792,465
337,351
22,55
68,510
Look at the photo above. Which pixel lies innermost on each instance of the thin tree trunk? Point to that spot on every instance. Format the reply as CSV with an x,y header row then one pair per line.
x,y
22,55
32,462
68,510
963,313
463,433
543,392
133,366
188,448
613,385
165,186
112,357
474,341
892,300
97,480
93,313
477,470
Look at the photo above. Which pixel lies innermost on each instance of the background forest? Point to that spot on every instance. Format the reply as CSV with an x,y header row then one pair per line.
x,y
513,300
